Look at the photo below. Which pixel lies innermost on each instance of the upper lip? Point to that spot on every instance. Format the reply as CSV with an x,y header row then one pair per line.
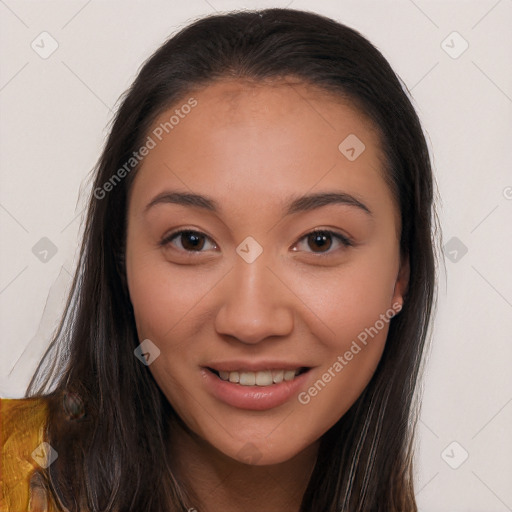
x,y
253,366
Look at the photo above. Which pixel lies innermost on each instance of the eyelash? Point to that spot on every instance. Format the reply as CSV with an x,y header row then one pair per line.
x,y
345,241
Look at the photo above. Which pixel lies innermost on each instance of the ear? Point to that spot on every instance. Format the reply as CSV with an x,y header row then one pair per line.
x,y
402,282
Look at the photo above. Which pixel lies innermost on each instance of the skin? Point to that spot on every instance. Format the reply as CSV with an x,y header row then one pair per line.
x,y
252,148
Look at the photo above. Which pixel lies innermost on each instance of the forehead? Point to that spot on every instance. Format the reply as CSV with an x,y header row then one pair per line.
x,y
242,104
245,141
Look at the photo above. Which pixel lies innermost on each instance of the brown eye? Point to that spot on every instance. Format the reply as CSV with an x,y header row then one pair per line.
x,y
323,242
189,241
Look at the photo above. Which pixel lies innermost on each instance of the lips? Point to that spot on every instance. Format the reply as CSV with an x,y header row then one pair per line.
x,y
255,386
253,366
259,378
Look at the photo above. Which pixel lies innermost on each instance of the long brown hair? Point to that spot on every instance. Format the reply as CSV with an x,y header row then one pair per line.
x,y
110,453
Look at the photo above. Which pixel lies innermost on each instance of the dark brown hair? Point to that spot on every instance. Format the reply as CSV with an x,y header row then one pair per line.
x,y
110,453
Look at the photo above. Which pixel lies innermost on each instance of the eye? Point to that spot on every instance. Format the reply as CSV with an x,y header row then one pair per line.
x,y
320,241
189,240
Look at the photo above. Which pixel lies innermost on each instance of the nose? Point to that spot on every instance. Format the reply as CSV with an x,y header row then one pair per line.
x,y
255,304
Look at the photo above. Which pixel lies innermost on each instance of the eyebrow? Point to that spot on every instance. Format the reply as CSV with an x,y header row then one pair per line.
x,y
295,205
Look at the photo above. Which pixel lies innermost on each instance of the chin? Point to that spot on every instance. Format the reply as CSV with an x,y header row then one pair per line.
x,y
263,452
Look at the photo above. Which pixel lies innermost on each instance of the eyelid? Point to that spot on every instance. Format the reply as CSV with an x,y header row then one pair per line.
x,y
343,239
166,240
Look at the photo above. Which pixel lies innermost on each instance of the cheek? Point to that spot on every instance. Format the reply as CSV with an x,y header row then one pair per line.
x,y
354,310
347,301
163,301
350,358
161,297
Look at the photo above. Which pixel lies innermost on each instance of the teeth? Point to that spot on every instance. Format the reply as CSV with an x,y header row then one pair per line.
x,y
247,378
289,375
277,376
262,378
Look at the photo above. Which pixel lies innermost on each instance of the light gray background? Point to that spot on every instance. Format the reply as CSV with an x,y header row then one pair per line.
x,y
54,120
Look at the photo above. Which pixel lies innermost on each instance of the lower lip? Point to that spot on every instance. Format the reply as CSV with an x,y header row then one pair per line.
x,y
254,398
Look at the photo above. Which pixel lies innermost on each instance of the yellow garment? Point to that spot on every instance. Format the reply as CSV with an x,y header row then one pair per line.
x,y
22,424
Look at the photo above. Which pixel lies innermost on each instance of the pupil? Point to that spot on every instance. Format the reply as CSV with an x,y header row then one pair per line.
x,y
191,241
321,240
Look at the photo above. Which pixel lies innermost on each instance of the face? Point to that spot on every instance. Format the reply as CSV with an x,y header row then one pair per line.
x,y
263,262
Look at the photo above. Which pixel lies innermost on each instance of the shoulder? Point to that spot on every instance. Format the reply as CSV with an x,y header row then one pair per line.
x,y
22,449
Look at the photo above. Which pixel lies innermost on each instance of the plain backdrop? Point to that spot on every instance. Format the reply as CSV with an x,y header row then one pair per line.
x,y
64,66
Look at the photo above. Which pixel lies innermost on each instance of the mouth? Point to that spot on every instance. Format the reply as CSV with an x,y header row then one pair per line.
x,y
262,378
255,386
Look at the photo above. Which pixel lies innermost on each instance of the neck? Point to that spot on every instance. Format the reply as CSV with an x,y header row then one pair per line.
x,y
214,481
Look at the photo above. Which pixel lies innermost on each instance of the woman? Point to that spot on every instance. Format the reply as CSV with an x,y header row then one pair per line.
x,y
248,318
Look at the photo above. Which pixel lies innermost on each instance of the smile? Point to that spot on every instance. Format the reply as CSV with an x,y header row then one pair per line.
x,y
260,378
257,389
